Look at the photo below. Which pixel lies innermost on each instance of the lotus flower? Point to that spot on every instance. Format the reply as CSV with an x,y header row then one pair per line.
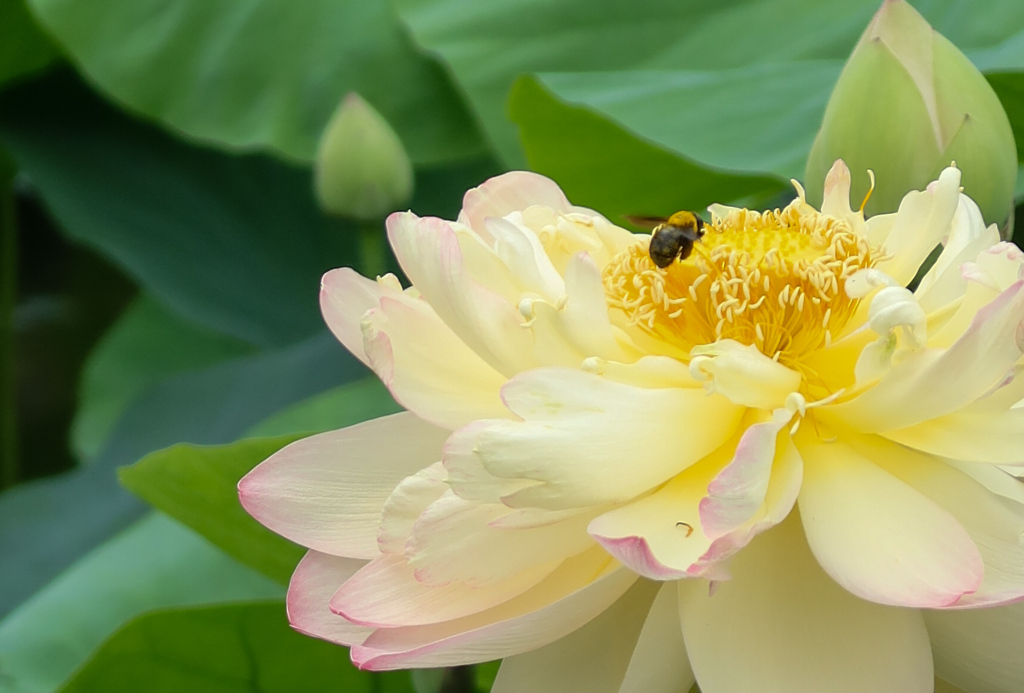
x,y
768,467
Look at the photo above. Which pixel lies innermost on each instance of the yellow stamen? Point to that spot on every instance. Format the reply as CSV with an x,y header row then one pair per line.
x,y
772,279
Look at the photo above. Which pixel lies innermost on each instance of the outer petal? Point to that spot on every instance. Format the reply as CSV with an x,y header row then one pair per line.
x,y
879,537
660,663
782,626
934,382
326,492
980,649
577,592
429,253
345,297
429,370
385,593
592,659
507,193
590,440
315,579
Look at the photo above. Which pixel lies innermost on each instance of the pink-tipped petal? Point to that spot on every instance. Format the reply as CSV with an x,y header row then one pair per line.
x,y
507,193
345,297
326,492
879,537
315,579
577,592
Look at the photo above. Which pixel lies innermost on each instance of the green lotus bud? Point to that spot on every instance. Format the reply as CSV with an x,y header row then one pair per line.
x,y
908,103
362,170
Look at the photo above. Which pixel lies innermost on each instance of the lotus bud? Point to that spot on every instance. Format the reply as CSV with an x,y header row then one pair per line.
x,y
362,170
907,104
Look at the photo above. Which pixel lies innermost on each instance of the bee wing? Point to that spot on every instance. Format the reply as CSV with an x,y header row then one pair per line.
x,y
644,222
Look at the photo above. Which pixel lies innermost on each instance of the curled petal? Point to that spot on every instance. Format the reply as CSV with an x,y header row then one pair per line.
x,y
933,382
345,297
428,369
507,193
743,375
429,253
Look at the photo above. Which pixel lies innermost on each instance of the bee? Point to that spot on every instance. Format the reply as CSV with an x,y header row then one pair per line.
x,y
673,237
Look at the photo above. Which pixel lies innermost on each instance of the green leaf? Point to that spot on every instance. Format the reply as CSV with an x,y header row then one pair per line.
x,y
263,73
156,563
199,485
48,524
1009,87
23,47
243,648
147,345
235,243
489,44
343,406
760,118
602,165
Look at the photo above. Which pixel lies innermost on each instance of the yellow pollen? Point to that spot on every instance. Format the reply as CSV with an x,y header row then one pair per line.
x,y
773,279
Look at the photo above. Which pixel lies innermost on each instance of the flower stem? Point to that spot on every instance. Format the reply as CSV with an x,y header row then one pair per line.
x,y
8,292
458,680
373,249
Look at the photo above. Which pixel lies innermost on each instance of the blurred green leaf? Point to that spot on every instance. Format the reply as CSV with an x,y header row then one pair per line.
x,y
198,485
1009,87
489,44
147,345
48,524
156,563
602,165
23,47
235,243
343,406
263,73
760,118
243,648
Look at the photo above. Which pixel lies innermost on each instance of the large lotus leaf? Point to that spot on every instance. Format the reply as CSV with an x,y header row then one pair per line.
x,y
262,73
147,345
48,524
238,648
602,165
489,44
155,563
23,47
235,243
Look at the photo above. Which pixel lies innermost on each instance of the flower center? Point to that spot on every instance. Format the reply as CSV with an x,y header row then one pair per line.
x,y
773,279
